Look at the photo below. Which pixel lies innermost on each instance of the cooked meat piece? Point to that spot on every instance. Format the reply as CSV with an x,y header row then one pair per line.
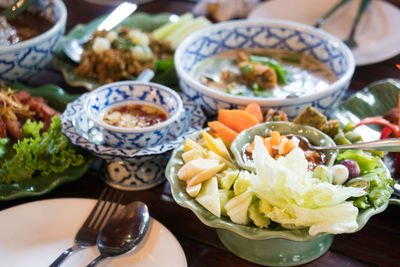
x,y
23,96
3,128
14,128
276,115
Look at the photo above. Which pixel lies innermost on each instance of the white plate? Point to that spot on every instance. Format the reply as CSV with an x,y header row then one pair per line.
x,y
35,234
377,33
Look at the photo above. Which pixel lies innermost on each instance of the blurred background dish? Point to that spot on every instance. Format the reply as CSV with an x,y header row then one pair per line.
x,y
277,35
377,33
20,60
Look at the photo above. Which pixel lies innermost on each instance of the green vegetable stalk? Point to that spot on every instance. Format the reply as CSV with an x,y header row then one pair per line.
x,y
42,153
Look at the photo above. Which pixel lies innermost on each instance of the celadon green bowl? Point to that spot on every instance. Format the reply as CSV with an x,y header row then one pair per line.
x,y
274,246
315,136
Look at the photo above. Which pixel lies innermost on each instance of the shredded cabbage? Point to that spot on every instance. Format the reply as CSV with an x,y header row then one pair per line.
x,y
292,197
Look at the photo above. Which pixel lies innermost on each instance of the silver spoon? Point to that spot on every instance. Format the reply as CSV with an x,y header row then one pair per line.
x,y
125,229
74,49
389,144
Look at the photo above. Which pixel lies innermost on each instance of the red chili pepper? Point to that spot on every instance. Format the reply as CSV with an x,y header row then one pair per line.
x,y
380,121
385,133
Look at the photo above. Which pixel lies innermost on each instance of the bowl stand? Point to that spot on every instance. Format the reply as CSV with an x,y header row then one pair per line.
x,y
275,251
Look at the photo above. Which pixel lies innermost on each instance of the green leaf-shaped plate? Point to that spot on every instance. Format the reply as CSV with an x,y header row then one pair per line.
x,y
143,21
265,246
39,185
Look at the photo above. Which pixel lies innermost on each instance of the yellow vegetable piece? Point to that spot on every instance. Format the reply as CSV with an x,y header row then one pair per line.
x,y
190,144
194,190
216,145
205,175
192,154
196,166
209,197
212,155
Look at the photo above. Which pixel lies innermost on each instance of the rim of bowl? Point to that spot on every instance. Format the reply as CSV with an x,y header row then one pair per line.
x,y
59,4
265,101
157,126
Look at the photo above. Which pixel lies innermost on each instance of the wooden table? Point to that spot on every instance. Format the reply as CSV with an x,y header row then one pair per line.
x,y
378,243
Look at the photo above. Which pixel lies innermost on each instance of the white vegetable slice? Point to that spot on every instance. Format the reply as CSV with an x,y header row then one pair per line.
x,y
194,167
209,197
205,175
194,190
100,45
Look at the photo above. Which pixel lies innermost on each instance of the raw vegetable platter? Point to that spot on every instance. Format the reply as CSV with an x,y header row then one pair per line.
x,y
164,69
38,184
354,109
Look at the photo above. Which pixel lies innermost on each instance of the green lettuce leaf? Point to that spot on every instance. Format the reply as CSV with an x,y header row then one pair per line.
x,y
50,152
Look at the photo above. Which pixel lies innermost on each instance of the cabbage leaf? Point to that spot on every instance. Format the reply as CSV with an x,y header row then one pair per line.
x,y
292,197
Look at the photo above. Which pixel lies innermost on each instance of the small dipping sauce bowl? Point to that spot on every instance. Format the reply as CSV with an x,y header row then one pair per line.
x,y
117,94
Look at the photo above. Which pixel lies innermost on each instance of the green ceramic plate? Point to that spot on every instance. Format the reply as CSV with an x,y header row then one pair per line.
x,y
278,246
39,185
143,21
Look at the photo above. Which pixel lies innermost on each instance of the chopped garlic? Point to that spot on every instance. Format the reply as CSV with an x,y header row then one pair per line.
x,y
142,53
112,36
100,45
139,37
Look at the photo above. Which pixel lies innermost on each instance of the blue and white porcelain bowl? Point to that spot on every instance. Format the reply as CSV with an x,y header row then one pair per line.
x,y
20,61
118,93
278,34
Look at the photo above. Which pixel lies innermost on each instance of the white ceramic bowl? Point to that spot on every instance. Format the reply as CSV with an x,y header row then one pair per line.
x,y
118,93
19,61
264,33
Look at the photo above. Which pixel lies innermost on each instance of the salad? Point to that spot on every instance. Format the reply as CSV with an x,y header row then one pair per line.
x,y
283,189
31,141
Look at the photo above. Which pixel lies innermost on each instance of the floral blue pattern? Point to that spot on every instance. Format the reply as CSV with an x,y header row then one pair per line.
x,y
263,34
18,62
126,168
100,100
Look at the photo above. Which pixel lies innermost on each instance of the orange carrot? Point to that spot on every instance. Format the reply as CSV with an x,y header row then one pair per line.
x,y
223,131
268,146
288,146
275,138
237,120
255,109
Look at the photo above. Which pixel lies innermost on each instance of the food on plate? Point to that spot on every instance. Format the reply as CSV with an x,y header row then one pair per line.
x,y
391,128
134,116
31,140
120,54
123,53
279,145
272,73
283,189
22,28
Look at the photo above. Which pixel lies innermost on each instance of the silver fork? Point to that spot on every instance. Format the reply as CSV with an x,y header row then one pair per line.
x,y
351,41
105,207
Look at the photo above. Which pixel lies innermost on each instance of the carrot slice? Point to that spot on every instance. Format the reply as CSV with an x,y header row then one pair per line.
x,y
223,131
237,120
288,146
255,109
275,138
268,146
